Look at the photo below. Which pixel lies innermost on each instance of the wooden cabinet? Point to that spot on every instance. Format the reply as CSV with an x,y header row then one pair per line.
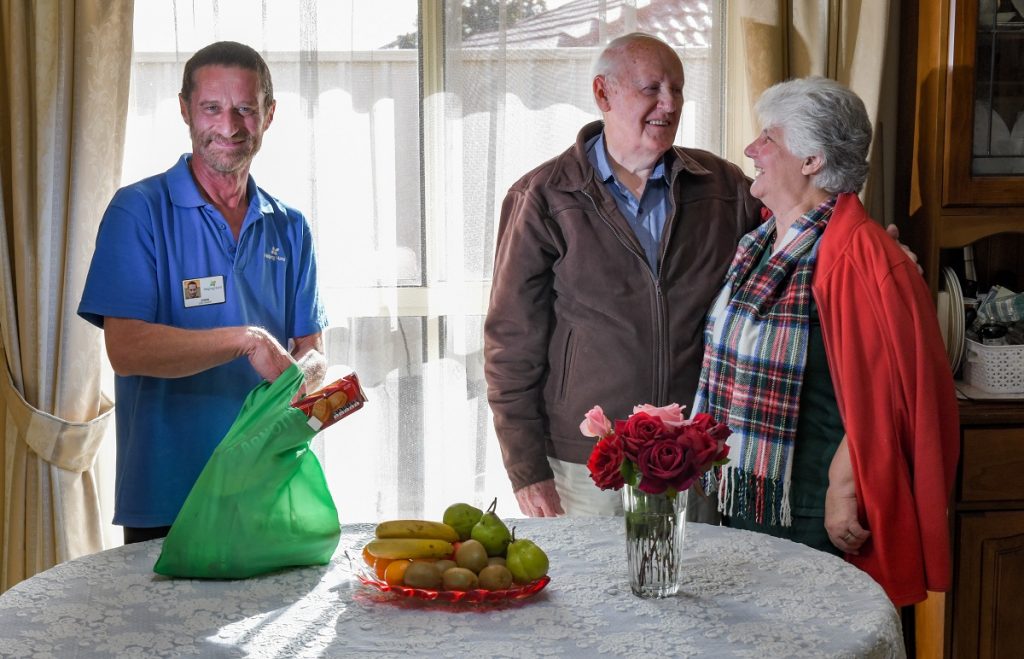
x,y
988,600
960,182
960,164
982,617
988,612
985,160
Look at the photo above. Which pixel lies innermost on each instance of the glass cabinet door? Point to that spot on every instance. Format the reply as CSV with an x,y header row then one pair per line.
x,y
999,89
986,102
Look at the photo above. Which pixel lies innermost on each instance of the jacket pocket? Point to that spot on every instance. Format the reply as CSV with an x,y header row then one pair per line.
x,y
568,357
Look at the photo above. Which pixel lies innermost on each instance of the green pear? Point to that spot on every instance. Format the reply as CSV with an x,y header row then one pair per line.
x,y
526,561
491,532
462,517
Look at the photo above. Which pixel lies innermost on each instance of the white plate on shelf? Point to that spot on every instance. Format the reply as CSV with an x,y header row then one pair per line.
x,y
956,318
942,310
946,321
957,329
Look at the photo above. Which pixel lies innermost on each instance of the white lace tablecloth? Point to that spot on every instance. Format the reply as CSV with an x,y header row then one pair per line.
x,y
743,595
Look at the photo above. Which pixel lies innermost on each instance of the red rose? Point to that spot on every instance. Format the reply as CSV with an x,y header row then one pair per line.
x,y
707,445
707,423
638,431
663,464
605,463
702,448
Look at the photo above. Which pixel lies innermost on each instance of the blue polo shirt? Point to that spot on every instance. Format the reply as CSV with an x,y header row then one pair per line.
x,y
156,237
645,215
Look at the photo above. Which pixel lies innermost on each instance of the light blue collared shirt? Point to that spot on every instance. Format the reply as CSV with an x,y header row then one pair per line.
x,y
646,215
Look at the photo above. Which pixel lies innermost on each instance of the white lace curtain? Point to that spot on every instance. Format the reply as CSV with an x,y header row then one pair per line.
x,y
401,157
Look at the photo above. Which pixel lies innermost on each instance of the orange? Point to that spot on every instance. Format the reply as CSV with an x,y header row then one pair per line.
x,y
381,565
369,558
395,572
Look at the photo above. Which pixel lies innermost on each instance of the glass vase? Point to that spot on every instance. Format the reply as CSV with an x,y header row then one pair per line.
x,y
655,525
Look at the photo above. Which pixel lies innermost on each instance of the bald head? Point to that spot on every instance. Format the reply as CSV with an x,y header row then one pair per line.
x,y
617,53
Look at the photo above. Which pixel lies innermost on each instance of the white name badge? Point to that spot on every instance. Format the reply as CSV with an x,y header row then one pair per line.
x,y
202,291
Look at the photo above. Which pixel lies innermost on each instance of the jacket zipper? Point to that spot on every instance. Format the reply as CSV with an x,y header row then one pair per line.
x,y
659,386
662,371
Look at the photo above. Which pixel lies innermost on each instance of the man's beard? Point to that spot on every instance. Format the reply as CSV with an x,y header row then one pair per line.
x,y
225,162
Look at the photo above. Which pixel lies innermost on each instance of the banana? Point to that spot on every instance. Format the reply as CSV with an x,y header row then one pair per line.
x,y
416,528
396,548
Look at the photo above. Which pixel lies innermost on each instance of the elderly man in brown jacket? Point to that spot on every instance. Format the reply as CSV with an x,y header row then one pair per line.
x,y
608,258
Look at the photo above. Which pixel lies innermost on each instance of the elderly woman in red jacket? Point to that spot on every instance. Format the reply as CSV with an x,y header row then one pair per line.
x,y
823,353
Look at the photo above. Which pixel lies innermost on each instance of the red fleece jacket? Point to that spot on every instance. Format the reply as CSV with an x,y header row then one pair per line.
x,y
896,396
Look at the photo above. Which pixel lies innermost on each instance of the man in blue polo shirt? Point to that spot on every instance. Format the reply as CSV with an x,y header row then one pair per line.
x,y
204,285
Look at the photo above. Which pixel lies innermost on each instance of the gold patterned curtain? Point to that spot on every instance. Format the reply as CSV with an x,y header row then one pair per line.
x,y
851,41
64,73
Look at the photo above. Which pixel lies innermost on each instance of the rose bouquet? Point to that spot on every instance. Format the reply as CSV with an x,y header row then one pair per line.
x,y
652,456
655,450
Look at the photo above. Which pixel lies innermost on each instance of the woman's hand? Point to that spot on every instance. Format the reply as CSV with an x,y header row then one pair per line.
x,y
841,521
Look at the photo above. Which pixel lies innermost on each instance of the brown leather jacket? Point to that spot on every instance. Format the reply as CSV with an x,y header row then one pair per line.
x,y
576,316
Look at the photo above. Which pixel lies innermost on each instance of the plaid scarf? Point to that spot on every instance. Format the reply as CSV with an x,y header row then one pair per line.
x,y
755,352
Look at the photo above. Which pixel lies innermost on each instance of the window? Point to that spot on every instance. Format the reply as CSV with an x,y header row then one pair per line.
x,y
399,126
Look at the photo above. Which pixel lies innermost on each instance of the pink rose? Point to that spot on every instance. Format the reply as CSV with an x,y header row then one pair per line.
x,y
595,423
605,463
670,415
637,431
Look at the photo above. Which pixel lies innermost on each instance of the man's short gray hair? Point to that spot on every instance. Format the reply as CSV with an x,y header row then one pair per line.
x,y
820,117
228,53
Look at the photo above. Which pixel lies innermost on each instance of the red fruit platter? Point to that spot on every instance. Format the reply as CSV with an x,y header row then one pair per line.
x,y
476,596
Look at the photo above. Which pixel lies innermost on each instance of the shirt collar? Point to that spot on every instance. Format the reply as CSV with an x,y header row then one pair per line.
x,y
598,156
184,191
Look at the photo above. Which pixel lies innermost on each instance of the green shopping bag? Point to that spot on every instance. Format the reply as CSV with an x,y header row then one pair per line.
x,y
261,503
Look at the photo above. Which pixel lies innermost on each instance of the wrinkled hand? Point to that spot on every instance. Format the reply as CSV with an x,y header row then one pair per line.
x,y
265,354
894,233
540,500
841,523
314,368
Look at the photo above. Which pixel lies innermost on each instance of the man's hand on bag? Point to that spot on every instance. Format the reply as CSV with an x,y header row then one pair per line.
x,y
540,500
265,354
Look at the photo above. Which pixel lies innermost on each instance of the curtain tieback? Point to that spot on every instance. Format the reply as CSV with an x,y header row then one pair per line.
x,y
69,445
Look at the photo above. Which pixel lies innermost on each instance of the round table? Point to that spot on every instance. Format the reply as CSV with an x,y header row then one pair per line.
x,y
743,595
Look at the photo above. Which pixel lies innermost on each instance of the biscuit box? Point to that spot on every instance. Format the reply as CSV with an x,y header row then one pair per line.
x,y
335,401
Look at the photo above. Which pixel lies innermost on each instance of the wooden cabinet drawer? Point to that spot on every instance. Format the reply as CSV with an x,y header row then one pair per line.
x,y
992,464
988,618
